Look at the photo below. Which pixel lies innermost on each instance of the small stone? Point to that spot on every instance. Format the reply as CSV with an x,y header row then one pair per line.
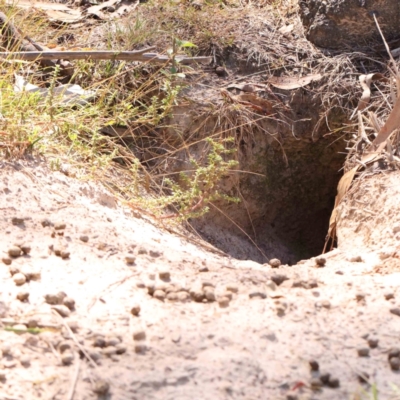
x,y
6,349
67,358
64,254
395,311
325,378
394,363
356,259
373,342
320,261
280,308
6,260
140,284
223,302
314,365
393,352
58,226
54,299
23,296
150,288
206,284
120,349
17,220
182,296
164,274
334,383
99,341
210,295
139,334
109,351
274,263
220,71
257,294
363,352
315,384
84,238
135,310
339,273
389,295
140,348
326,304
2,375
155,253
172,296
278,279
31,274
26,248
64,346
94,355
142,250
69,302
311,284
19,279
232,287
130,259
9,364
203,268
14,251
292,396
159,295
101,387
198,296
62,310
25,361
46,222
33,323
360,296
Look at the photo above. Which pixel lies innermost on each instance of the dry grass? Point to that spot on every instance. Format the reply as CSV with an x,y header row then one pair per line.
x,y
243,35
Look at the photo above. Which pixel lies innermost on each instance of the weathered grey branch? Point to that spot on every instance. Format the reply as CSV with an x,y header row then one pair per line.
x,y
12,39
141,56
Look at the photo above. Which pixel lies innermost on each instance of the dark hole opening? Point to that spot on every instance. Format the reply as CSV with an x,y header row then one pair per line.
x,y
289,209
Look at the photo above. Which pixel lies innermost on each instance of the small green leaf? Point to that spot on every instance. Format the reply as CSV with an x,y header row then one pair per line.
x,y
173,70
184,43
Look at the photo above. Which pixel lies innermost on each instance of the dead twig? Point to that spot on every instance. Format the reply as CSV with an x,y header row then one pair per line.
x,y
141,56
74,380
73,337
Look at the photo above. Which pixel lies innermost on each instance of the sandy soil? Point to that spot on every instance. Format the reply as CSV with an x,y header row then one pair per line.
x,y
209,327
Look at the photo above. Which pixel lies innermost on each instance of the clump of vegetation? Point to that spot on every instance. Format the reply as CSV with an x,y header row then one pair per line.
x,y
135,98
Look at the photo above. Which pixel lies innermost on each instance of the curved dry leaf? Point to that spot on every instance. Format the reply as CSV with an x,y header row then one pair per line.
x,y
55,11
293,82
286,29
365,82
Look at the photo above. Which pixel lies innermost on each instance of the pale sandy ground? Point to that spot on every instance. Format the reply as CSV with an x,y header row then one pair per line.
x,y
250,347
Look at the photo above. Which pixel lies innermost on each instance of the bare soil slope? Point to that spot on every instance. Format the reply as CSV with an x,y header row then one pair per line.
x,y
209,326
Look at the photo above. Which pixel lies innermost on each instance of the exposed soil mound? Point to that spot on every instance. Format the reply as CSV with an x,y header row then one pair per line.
x,y
103,298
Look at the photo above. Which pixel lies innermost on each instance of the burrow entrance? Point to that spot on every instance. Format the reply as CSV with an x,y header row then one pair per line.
x,y
287,189
286,214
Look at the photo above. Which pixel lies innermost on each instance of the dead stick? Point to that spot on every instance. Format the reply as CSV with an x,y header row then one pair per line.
x,y
74,380
140,56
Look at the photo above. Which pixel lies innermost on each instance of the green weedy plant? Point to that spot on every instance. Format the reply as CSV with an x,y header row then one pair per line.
x,y
196,189
124,97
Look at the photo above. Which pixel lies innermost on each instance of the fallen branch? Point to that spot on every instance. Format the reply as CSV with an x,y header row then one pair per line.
x,y
141,56
12,38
